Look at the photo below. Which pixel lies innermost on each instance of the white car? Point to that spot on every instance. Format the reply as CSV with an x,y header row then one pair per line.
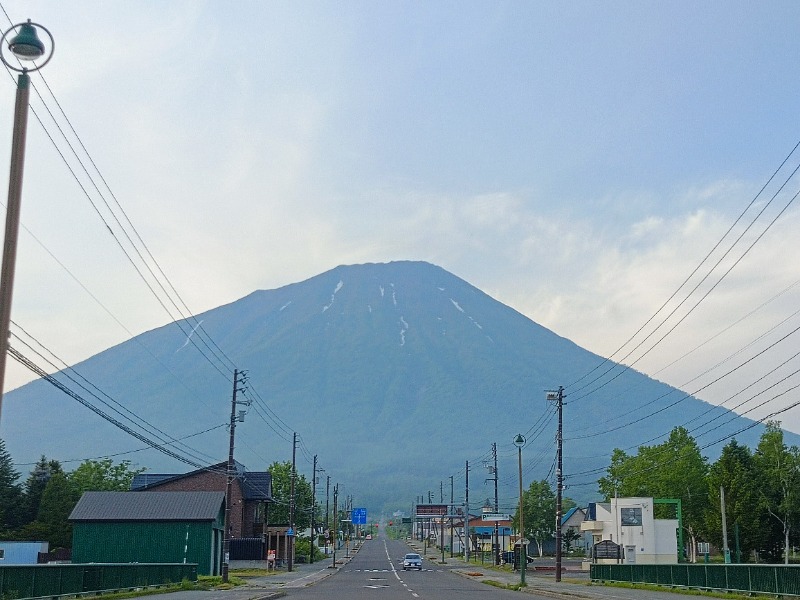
x,y
412,561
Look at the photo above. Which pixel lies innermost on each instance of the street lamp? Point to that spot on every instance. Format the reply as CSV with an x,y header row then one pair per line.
x,y
519,442
23,42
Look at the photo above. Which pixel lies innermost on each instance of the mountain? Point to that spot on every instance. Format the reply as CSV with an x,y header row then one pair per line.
x,y
393,374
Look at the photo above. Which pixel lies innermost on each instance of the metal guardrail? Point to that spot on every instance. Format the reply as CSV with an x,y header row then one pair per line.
x,y
40,581
766,579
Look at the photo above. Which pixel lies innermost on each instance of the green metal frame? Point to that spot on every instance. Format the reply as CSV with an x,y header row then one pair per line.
x,y
679,510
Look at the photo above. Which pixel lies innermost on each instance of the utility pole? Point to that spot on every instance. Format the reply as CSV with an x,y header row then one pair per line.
x,y
496,508
493,469
290,558
238,378
451,511
335,532
327,497
558,397
313,506
725,548
466,516
519,442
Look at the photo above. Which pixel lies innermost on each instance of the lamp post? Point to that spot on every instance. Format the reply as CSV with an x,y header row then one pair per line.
x,y
519,442
24,43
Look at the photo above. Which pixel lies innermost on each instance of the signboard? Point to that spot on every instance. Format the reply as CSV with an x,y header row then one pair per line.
x,y
495,517
606,550
359,516
630,517
431,510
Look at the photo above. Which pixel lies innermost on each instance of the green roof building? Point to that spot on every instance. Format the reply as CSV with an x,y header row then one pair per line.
x,y
157,527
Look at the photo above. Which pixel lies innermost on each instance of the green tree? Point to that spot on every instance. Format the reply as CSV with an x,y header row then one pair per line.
x,y
569,537
34,487
673,469
778,468
58,500
735,472
10,493
281,473
103,476
539,506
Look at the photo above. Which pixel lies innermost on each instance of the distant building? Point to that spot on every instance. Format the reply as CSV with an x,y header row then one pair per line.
x,y
631,524
21,553
482,533
571,521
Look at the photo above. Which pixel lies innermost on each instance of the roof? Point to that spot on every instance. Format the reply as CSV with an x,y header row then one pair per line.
x,y
153,506
143,480
569,513
256,485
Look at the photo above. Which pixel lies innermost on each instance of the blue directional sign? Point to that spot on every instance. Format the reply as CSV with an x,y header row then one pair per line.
x,y
359,516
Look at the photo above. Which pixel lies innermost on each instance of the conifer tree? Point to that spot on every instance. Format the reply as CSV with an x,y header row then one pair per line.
x,y
10,493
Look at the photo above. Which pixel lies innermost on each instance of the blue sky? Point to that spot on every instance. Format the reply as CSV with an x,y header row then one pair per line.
x,y
575,161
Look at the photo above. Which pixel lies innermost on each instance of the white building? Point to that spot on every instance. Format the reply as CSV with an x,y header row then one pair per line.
x,y
630,523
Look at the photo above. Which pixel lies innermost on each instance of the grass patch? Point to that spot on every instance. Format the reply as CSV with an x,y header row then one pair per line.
x,y
252,572
682,590
214,582
505,586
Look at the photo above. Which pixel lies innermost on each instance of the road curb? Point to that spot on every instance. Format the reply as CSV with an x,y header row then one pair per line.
x,y
529,589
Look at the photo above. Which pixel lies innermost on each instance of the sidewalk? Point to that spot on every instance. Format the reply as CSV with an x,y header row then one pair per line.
x,y
302,575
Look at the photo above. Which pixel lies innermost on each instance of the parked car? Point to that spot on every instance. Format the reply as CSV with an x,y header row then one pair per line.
x,y
412,561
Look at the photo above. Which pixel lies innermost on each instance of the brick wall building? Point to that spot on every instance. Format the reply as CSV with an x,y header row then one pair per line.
x,y
250,491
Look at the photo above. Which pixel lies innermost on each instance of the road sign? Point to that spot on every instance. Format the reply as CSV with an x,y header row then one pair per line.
x,y
431,510
359,516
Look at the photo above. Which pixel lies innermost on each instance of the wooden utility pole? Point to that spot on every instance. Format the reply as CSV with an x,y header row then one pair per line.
x,y
466,516
290,558
313,506
496,508
558,397
238,377
335,530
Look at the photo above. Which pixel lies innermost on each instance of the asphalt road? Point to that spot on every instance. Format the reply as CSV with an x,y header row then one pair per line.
x,y
376,573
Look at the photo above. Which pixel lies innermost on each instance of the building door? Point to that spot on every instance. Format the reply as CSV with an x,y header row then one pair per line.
x,y
630,555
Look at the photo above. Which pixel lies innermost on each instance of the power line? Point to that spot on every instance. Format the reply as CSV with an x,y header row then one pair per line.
x,y
694,271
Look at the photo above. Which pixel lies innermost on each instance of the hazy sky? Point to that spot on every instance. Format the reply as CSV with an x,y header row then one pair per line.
x,y
576,161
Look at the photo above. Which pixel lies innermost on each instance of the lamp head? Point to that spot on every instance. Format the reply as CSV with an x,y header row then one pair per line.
x,y
26,45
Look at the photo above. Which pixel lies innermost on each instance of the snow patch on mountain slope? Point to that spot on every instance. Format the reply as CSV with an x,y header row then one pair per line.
x,y
403,329
333,295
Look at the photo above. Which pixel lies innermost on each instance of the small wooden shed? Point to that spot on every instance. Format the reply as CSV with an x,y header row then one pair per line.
x,y
157,527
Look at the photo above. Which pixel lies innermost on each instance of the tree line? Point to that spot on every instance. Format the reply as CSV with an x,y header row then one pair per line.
x,y
761,493
38,507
